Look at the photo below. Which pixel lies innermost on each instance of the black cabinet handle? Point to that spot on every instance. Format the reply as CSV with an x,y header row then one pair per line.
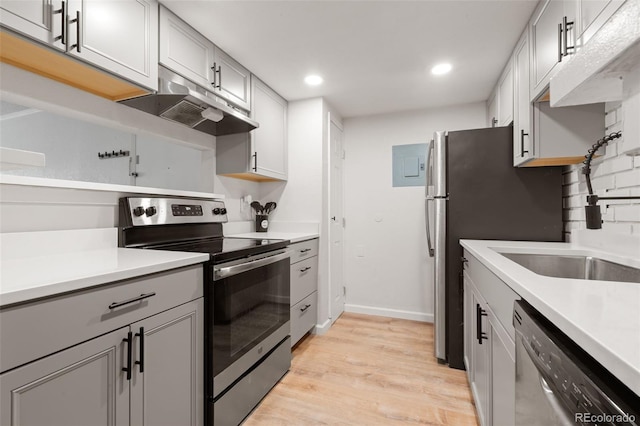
x,y
219,77
141,361
135,299
255,161
305,250
565,26
63,15
78,32
305,308
522,135
559,42
129,342
305,269
480,335
213,68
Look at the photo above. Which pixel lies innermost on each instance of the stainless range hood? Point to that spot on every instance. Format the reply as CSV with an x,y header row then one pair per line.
x,y
183,102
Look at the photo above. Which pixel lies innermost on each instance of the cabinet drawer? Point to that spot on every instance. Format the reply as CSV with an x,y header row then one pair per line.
x,y
496,292
303,250
303,317
304,279
39,328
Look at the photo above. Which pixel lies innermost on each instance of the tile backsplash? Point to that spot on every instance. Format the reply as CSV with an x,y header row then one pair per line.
x,y
613,174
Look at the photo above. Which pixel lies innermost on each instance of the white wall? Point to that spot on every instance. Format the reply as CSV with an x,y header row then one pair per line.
x,y
387,270
615,174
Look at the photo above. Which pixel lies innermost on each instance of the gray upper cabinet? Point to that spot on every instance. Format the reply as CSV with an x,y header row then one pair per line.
x,y
522,135
184,50
552,39
505,93
270,139
190,54
42,20
260,155
593,14
232,81
117,36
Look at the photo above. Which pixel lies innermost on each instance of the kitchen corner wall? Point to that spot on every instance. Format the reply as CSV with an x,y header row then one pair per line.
x,y
614,174
387,269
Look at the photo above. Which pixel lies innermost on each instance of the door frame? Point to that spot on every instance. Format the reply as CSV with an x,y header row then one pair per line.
x,y
332,119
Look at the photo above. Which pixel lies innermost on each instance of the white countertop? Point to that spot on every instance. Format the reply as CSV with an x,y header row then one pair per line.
x,y
294,237
602,317
41,264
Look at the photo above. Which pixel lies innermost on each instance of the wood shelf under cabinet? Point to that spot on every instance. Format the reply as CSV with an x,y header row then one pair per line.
x,y
29,56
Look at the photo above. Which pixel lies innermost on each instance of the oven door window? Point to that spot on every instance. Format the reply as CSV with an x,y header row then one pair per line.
x,y
247,308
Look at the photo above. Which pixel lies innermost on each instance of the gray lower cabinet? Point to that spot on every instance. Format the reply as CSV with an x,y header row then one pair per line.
x,y
82,385
489,343
144,372
304,288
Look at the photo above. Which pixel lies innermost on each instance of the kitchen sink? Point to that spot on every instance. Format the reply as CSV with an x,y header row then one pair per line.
x,y
581,267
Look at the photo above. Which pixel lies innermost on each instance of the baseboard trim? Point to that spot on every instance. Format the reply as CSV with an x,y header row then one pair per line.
x,y
322,328
386,312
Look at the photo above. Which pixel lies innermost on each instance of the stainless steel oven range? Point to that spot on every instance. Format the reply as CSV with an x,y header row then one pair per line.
x,y
246,287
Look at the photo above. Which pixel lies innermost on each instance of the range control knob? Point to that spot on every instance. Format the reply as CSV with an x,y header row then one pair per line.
x,y
150,211
138,211
216,211
223,211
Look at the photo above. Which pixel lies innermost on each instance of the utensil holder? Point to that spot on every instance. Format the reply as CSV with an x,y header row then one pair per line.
x,y
262,222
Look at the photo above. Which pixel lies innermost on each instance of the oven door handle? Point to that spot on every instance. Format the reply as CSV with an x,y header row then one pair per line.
x,y
228,271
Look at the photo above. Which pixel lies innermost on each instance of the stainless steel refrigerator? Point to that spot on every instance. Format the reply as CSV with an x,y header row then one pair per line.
x,y
474,192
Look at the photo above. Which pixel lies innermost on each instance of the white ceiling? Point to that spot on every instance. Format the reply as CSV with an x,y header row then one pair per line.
x,y
375,56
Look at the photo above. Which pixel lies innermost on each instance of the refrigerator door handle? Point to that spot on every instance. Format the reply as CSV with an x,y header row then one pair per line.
x,y
429,161
430,249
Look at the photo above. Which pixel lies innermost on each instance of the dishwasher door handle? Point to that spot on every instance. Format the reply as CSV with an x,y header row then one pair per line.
x,y
555,403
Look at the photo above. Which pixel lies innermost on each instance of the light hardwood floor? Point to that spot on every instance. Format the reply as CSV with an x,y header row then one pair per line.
x,y
368,370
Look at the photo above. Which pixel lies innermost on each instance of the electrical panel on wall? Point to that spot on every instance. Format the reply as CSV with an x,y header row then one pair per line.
x,y
408,165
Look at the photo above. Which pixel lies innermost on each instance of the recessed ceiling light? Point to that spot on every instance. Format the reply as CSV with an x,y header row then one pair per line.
x,y
441,69
313,80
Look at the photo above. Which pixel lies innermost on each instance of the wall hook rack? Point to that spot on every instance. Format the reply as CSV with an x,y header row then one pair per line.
x,y
112,154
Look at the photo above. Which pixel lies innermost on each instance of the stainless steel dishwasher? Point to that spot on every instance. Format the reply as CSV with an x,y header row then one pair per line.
x,y
558,383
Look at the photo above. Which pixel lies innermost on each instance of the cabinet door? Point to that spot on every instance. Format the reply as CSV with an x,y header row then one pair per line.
x,y
39,19
83,385
270,139
545,43
522,137
549,43
503,374
480,385
593,14
492,110
505,94
118,36
167,385
184,50
232,80
469,311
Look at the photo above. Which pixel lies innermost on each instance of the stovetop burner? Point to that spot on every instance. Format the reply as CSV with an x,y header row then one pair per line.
x,y
225,248
180,224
